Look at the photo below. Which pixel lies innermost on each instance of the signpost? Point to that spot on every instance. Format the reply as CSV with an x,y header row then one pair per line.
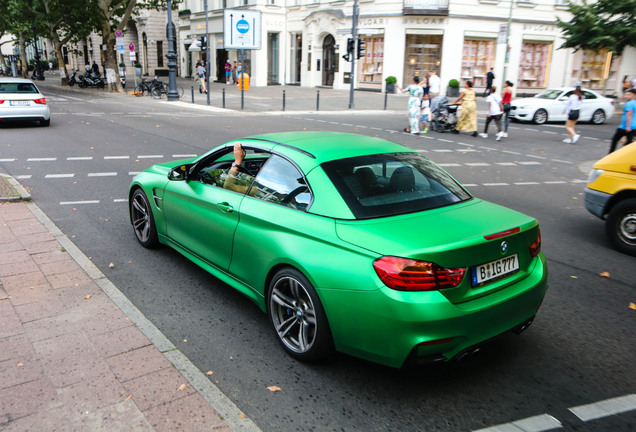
x,y
241,31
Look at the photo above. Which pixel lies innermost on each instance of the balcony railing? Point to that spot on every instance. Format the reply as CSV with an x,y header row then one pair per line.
x,y
425,7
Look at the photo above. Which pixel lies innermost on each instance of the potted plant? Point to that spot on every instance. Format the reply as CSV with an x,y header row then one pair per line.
x,y
453,88
122,68
390,83
138,68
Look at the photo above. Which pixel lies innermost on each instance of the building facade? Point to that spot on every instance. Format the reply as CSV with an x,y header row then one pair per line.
x,y
303,42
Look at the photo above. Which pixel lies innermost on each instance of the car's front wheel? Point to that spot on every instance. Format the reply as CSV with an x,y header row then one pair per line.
x,y
598,117
540,116
142,219
621,226
298,317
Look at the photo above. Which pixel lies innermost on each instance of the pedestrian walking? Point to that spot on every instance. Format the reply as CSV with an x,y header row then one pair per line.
x,y
495,110
434,84
490,76
572,108
95,69
628,121
468,119
234,67
228,71
425,111
201,74
415,92
506,99
50,67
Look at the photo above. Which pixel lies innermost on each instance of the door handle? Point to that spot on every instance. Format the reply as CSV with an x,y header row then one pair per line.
x,y
225,207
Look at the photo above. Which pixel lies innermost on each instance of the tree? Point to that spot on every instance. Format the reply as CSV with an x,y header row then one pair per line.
x,y
604,24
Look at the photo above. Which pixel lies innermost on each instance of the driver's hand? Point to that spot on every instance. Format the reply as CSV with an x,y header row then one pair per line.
x,y
239,153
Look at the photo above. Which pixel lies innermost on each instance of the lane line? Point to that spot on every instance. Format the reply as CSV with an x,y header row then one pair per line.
x,y
529,163
449,165
79,158
102,174
59,175
116,157
133,173
510,152
79,202
149,156
47,159
543,422
526,183
561,161
496,184
506,163
477,164
7,160
605,408
24,177
120,200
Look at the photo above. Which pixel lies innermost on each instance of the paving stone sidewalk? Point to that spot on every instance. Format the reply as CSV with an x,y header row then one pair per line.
x,y
70,358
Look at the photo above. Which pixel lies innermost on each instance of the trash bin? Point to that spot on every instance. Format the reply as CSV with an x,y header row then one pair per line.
x,y
244,78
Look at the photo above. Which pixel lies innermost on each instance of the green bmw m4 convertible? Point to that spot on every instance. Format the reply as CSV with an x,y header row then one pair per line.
x,y
348,243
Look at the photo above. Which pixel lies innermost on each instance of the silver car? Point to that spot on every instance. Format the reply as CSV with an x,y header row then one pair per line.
x,y
20,99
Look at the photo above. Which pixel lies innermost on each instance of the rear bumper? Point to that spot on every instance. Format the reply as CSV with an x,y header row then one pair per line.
x,y
29,113
387,326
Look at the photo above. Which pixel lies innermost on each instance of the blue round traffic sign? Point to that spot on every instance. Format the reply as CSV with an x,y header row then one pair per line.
x,y
243,26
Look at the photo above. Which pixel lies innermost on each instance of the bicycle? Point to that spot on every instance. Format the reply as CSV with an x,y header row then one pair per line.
x,y
147,86
159,92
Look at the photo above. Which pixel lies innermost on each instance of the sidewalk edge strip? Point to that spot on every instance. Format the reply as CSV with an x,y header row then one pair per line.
x,y
211,393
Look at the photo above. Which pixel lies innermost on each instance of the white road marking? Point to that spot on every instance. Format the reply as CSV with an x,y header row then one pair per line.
x,y
579,181
554,182
149,156
102,174
496,184
477,164
375,128
346,124
550,132
543,422
532,130
488,148
59,175
7,160
536,157
450,165
444,140
443,150
116,157
48,159
510,152
79,202
133,173
119,200
605,408
562,161
79,158
592,139
23,177
526,183
466,150
506,163
470,185
529,163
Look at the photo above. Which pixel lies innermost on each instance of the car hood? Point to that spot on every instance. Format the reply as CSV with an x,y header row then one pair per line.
x,y
622,160
449,236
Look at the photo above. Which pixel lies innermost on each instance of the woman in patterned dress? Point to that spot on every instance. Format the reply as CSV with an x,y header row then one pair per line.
x,y
415,98
468,118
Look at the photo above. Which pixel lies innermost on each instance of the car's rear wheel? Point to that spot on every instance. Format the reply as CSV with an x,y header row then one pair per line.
x,y
142,219
621,226
298,317
598,117
540,116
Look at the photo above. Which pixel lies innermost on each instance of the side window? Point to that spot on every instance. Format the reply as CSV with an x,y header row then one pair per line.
x,y
588,95
280,182
216,172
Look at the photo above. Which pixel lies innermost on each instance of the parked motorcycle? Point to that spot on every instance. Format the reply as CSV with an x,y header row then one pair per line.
x,y
72,81
89,80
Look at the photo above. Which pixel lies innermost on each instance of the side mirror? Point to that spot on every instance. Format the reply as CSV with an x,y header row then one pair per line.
x,y
179,173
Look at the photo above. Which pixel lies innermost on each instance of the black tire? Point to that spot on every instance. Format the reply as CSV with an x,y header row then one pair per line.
x,y
598,117
71,83
82,84
620,226
45,122
140,90
158,92
540,116
297,316
143,220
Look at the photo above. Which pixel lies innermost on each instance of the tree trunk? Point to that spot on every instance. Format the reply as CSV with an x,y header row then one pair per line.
x,y
60,61
24,64
112,71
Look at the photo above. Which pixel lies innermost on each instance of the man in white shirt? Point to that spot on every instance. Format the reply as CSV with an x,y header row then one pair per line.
x,y
495,110
434,84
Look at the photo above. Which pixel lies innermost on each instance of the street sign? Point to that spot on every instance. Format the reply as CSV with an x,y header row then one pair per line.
x,y
503,31
131,47
119,34
241,29
120,48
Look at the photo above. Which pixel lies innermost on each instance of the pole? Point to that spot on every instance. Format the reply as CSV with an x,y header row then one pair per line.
x,y
354,35
207,52
37,71
242,78
173,94
506,59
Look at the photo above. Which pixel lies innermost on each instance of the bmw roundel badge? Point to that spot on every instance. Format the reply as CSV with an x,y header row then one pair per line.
x,y
504,247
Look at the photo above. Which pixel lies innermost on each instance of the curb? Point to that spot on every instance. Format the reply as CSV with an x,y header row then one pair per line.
x,y
8,183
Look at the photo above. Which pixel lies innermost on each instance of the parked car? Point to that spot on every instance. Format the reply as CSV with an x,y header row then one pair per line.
x,y
348,242
20,99
549,105
611,195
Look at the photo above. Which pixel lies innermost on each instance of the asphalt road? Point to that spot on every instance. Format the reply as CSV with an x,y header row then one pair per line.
x,y
579,351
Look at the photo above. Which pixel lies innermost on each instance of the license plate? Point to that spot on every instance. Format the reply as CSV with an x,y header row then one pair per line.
x,y
495,269
19,103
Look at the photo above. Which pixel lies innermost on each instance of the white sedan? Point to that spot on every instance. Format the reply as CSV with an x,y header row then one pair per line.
x,y
549,105
20,99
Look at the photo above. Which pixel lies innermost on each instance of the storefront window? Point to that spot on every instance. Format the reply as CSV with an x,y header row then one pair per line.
x,y
477,58
592,68
534,64
370,66
423,54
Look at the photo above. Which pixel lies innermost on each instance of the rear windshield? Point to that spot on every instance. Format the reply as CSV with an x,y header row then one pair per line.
x,y
392,184
17,88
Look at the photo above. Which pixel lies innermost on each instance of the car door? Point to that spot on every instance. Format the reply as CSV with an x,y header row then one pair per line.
x,y
557,107
202,212
589,104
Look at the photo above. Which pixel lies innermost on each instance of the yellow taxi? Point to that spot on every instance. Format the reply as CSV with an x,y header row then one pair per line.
x,y
611,195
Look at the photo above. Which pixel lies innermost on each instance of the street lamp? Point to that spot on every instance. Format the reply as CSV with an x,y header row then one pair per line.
x,y
173,94
506,59
37,69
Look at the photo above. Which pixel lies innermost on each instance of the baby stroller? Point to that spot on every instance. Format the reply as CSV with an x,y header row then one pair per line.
x,y
444,115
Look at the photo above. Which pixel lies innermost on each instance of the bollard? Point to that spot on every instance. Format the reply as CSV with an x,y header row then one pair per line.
x,y
317,100
223,97
385,97
192,88
283,100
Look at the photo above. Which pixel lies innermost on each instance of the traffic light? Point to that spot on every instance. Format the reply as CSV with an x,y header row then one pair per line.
x,y
362,44
347,57
203,43
350,49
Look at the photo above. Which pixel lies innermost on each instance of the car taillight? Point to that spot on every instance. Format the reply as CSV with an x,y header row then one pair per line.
x,y
403,274
40,101
535,247
1,101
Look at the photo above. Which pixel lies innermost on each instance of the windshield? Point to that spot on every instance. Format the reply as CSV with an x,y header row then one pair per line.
x,y
549,94
392,184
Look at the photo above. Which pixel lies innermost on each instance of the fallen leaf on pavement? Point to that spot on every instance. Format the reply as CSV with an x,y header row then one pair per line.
x,y
632,305
605,274
574,277
273,388
182,387
241,415
128,398
209,373
111,265
20,364
87,297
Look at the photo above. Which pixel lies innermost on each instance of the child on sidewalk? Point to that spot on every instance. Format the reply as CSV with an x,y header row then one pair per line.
x,y
495,110
426,112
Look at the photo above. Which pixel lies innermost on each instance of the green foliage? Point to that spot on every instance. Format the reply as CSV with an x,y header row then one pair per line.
x,y
608,24
390,79
453,83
